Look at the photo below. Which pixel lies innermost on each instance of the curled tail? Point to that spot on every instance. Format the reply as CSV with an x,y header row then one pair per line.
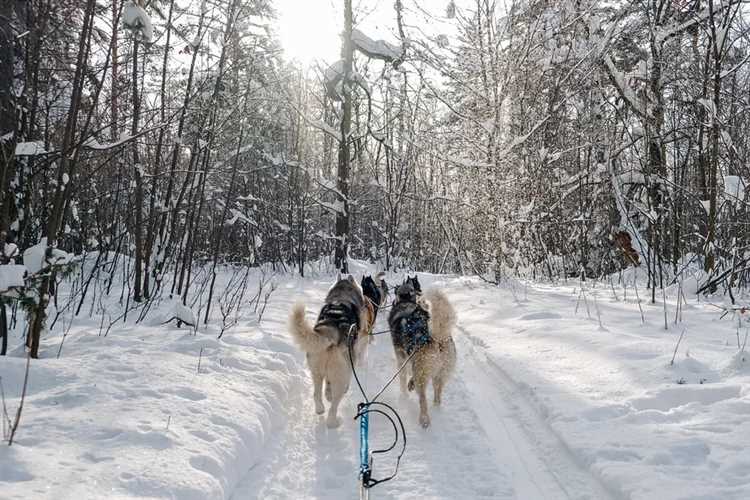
x,y
303,333
442,314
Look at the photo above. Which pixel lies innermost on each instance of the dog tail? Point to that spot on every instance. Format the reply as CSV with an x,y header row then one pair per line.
x,y
442,314
303,333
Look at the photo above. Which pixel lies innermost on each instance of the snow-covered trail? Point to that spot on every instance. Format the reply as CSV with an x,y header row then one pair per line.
x,y
308,460
485,442
547,403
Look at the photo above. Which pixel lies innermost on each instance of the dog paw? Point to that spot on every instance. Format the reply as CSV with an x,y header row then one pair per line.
x,y
333,422
410,385
424,420
319,409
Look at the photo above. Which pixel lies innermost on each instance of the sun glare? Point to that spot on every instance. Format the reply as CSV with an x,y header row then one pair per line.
x,y
309,30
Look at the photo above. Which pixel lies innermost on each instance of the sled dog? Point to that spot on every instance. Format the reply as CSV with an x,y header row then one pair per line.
x,y
415,283
344,323
376,290
421,326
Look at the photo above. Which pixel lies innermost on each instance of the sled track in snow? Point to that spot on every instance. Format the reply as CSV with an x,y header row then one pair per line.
x,y
542,465
487,441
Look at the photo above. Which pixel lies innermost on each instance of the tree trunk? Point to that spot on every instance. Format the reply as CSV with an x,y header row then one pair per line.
x,y
344,160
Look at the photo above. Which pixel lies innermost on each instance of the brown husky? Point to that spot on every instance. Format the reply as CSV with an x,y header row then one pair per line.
x,y
421,326
342,327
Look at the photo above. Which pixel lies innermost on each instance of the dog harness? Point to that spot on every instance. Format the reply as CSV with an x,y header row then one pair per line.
x,y
342,315
416,330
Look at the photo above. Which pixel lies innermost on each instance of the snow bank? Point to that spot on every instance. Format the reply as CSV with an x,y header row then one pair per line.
x,y
129,416
147,411
645,428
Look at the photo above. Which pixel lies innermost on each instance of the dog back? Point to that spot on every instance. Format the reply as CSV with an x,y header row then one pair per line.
x,y
409,325
341,313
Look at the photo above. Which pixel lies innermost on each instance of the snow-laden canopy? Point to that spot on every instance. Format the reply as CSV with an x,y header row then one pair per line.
x,y
376,49
138,21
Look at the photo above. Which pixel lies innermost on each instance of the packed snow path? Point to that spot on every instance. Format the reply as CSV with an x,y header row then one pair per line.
x,y
485,441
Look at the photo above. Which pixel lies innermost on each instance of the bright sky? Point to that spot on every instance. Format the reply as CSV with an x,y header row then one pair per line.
x,y
309,29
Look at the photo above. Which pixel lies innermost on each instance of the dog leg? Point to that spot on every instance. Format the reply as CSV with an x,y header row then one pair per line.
x,y
317,396
437,386
337,393
403,375
419,381
424,417
328,391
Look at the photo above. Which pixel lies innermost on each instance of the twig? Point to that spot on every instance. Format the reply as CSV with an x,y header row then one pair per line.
x,y
638,300
739,325
598,313
612,285
200,357
6,419
671,363
14,428
265,301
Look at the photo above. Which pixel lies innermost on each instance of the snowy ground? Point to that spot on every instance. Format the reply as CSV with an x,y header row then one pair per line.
x,y
546,403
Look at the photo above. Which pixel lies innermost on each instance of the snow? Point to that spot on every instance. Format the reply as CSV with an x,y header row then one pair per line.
x,y
547,402
11,276
376,49
623,87
92,143
176,310
239,216
30,148
734,188
33,257
336,207
137,20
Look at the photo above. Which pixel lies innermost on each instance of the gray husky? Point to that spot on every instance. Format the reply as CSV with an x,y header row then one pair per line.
x,y
344,323
421,326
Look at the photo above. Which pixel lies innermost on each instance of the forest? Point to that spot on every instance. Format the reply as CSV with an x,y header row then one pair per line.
x,y
148,144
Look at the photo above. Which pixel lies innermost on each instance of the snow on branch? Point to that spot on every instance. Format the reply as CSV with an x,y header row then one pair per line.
x,y
239,216
135,18
376,49
125,137
12,278
618,78
30,148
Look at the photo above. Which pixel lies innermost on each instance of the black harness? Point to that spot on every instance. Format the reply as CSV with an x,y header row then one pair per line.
x,y
343,316
415,329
